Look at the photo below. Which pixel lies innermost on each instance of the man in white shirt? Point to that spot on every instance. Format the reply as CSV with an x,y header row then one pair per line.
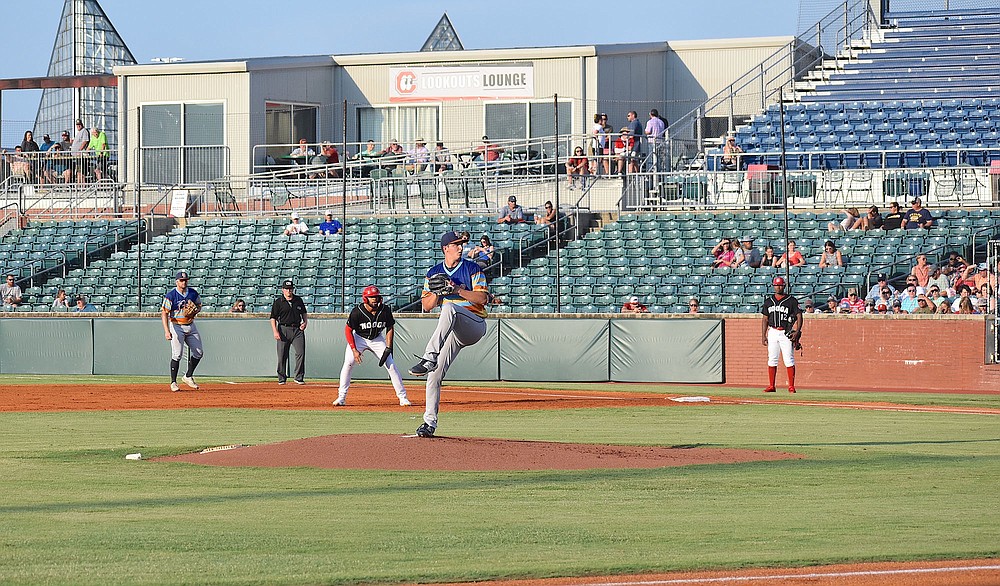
x,y
296,227
10,293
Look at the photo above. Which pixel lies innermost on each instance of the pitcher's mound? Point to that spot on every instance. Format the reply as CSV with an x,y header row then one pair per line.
x,y
393,452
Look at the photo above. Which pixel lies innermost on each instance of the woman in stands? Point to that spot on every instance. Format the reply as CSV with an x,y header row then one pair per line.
x,y
792,257
830,257
724,254
601,148
852,215
769,259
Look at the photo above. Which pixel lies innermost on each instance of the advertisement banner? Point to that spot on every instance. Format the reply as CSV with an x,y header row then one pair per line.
x,y
417,84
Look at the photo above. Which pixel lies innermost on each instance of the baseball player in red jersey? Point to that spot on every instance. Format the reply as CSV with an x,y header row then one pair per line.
x,y
364,332
782,327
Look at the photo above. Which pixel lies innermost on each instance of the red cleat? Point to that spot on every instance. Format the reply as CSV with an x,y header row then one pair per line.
x,y
791,390
769,390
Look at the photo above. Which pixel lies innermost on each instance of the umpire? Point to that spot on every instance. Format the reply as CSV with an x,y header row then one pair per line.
x,y
288,321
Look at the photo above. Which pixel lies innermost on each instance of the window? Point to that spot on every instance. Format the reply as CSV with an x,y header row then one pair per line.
x,y
404,123
285,124
527,120
182,143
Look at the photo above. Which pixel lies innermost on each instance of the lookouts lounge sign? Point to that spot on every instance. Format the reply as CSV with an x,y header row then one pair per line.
x,y
419,84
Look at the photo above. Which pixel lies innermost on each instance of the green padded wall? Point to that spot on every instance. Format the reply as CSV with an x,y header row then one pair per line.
x,y
476,362
676,350
554,349
46,346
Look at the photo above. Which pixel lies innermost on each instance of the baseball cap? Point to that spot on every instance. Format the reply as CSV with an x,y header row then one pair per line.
x,y
328,213
897,303
983,266
633,299
512,198
882,277
287,284
46,137
420,141
915,200
809,303
624,130
746,238
778,281
881,307
845,304
181,276
295,216
452,237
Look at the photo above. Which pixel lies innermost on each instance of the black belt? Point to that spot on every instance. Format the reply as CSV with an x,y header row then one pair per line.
x,y
289,325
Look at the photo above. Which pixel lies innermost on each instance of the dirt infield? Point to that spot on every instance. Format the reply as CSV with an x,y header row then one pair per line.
x,y
393,452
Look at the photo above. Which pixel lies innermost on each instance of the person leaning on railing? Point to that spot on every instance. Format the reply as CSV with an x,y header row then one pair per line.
x,y
99,147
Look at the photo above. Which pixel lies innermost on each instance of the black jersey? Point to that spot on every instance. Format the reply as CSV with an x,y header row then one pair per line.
x,y
780,314
367,325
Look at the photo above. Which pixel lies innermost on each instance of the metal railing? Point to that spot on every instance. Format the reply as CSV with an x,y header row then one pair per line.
x,y
58,167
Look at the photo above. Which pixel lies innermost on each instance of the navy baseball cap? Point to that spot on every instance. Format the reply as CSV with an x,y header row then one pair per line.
x,y
882,277
452,237
287,284
181,276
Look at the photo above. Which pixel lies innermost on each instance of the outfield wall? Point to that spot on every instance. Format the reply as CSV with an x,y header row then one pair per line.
x,y
517,349
932,353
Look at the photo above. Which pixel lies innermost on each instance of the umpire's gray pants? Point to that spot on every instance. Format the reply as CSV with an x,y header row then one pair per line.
x,y
291,337
185,334
456,328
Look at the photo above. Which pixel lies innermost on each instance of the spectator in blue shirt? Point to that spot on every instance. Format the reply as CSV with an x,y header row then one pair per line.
x,y
330,226
918,217
83,305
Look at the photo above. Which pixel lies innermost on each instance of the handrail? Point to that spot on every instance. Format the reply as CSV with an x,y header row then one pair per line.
x,y
4,229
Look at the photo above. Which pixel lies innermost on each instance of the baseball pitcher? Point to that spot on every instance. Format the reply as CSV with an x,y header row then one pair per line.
x,y
363,331
782,328
458,286
179,307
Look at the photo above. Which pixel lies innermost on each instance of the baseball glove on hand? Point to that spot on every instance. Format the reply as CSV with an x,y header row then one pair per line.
x,y
794,336
190,309
440,284
385,355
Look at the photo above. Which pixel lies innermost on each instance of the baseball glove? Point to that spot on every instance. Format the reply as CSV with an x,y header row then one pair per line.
x,y
440,284
794,336
189,309
385,355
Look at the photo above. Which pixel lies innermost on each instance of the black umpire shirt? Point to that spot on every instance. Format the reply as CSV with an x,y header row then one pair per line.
x,y
368,325
288,312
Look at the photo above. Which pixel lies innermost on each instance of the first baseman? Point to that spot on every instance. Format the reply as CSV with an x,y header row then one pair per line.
x,y
363,331
459,287
782,328
180,305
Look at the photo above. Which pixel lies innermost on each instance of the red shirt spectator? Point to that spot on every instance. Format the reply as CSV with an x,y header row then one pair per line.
x,y
856,303
633,306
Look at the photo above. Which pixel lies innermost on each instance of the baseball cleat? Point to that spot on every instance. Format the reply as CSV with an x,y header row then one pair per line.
x,y
300,382
791,390
769,390
425,430
174,387
423,367
281,382
404,402
189,381
340,402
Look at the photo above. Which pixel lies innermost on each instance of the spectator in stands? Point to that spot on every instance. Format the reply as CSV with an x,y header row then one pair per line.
x,y
791,257
11,293
441,158
240,306
723,253
934,294
964,292
693,305
894,219
483,252
636,132
830,257
909,298
897,307
921,271
911,280
82,305
918,217
943,307
625,148
60,303
328,156
489,153
66,143
747,254
965,306
831,305
656,129
937,278
885,297
512,213
549,217
882,282
393,150
419,157
966,277
81,140
602,145
633,306
577,167
99,147
882,308
368,158
981,276
924,305
731,154
46,143
851,217
20,166
872,220
28,145
844,307
809,306
56,167
296,227
769,260
303,150
854,301
330,226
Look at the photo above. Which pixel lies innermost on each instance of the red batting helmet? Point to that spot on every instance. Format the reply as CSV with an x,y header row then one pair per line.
x,y
778,281
370,291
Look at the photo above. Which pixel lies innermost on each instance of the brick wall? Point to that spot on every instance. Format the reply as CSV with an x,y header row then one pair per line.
x,y
870,353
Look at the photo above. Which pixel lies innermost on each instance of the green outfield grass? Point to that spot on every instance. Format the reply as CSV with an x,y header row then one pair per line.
x,y
874,485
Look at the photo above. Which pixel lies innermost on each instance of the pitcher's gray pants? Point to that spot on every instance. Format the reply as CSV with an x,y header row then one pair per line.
x,y
456,328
